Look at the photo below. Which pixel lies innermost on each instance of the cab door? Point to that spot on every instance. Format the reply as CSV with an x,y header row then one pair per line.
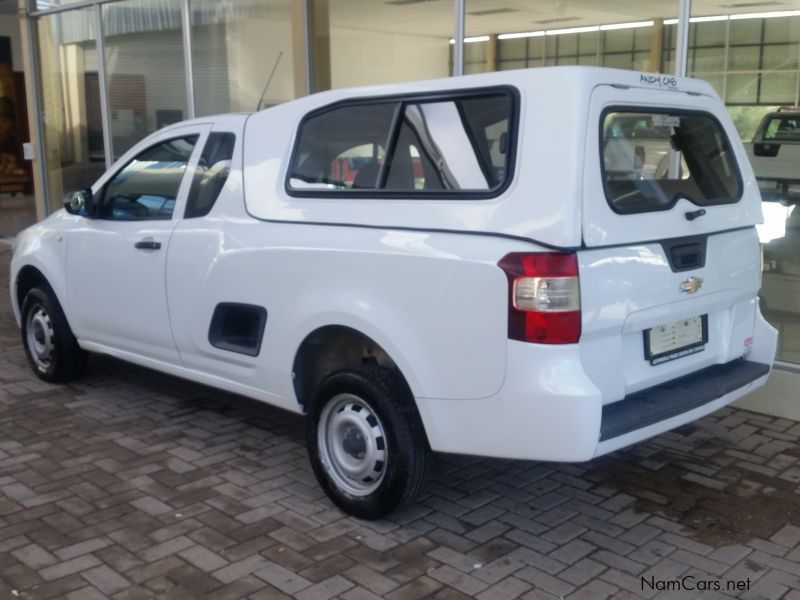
x,y
116,259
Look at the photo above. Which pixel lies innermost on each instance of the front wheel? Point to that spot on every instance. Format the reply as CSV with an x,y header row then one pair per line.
x,y
50,346
366,442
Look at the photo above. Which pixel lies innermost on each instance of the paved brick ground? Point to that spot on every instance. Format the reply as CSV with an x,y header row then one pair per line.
x,y
131,484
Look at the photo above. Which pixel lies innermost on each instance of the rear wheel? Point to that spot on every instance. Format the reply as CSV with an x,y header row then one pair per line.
x,y
50,346
366,442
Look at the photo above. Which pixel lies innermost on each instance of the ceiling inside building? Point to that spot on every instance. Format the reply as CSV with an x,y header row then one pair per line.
x,y
435,17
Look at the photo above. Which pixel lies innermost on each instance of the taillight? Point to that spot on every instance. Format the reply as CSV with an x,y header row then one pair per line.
x,y
544,303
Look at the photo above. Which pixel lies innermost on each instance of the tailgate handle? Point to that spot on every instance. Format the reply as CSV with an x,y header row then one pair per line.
x,y
687,256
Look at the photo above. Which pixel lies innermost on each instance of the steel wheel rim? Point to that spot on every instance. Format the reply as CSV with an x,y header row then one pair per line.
x,y
352,445
40,337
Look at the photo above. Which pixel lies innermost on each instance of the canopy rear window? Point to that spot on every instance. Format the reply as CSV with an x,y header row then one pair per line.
x,y
651,159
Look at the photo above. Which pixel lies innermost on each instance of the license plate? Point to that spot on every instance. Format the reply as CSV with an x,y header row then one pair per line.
x,y
675,340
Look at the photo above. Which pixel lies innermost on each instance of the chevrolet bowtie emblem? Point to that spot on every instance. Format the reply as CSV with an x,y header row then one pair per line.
x,y
691,285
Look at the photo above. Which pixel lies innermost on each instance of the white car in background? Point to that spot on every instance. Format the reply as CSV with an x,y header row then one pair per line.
x,y
483,265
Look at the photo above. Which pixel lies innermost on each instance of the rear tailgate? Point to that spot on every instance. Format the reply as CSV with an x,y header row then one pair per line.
x,y
669,275
775,160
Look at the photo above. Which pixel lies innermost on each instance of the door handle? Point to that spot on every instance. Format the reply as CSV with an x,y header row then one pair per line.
x,y
147,245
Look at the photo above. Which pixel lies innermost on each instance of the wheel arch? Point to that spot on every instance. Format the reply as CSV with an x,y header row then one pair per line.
x,y
330,348
28,277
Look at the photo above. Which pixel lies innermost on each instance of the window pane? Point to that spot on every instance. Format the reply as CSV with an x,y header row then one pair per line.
x,y
210,174
785,29
461,144
641,38
235,47
576,33
148,186
145,67
505,65
567,44
73,130
780,57
778,88
715,80
342,148
711,33
637,151
708,59
587,42
381,42
746,31
618,41
784,128
618,61
512,49
744,58
742,89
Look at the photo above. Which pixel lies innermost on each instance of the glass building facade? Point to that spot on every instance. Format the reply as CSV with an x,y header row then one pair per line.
x,y
105,73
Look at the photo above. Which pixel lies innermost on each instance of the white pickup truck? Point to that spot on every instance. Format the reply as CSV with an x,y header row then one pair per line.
x,y
775,155
544,264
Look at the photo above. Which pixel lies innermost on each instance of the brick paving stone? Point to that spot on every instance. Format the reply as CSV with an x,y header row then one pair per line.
x,y
282,578
583,571
105,579
370,579
326,589
418,588
34,556
203,558
69,567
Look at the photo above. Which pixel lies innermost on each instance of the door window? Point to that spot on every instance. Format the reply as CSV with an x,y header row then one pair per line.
x,y
210,174
147,187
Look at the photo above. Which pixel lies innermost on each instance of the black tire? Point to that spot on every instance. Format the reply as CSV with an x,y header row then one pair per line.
x,y
402,477
65,360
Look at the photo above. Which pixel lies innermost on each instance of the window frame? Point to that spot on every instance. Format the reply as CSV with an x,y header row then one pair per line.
x,y
167,137
393,134
665,110
205,140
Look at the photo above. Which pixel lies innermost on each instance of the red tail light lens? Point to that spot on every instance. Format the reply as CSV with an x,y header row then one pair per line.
x,y
544,297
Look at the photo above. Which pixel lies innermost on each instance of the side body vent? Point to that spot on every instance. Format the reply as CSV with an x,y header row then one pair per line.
x,y
238,327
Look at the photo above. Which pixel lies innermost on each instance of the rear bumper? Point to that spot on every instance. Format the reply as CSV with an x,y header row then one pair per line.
x,y
549,409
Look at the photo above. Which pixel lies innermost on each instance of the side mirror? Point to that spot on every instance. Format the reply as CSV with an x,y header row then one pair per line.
x,y
762,149
79,202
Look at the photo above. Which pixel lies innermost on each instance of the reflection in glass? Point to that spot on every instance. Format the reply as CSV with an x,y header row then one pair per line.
x,y
780,284
71,120
235,47
145,68
380,42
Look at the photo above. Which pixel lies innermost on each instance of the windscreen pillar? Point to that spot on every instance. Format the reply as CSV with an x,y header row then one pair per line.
x,y
311,46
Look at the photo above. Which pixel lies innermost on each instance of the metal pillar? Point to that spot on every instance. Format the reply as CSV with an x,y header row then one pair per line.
x,y
458,40
186,25
105,113
682,40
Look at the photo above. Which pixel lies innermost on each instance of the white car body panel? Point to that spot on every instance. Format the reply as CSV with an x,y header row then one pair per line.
x,y
419,277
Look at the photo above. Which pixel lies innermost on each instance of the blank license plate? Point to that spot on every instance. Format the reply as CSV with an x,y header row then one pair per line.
x,y
674,340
